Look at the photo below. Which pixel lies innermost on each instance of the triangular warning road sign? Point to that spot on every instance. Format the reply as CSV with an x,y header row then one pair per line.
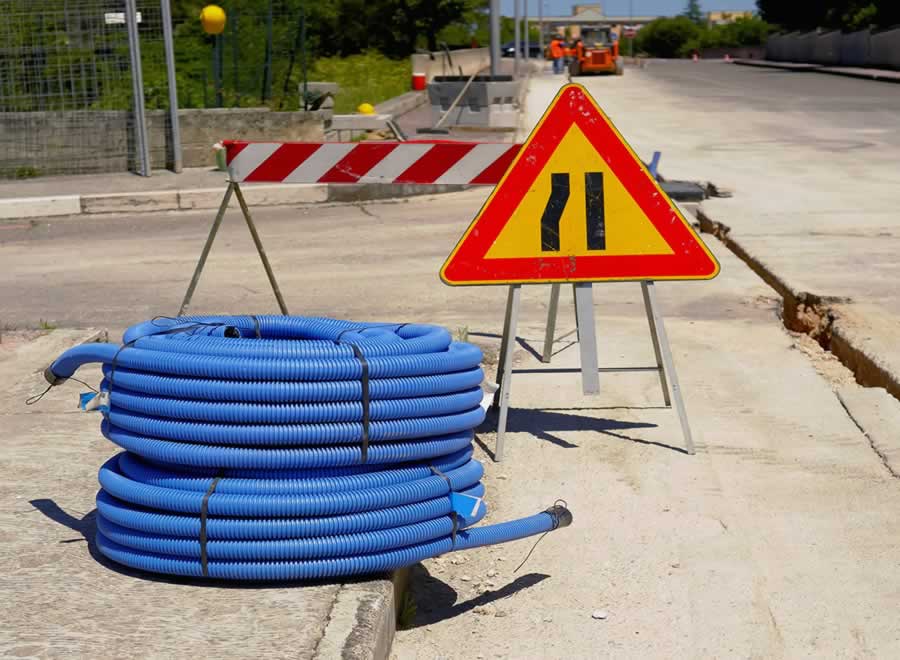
x,y
577,205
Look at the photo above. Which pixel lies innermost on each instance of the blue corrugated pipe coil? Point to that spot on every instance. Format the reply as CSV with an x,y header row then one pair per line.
x,y
285,448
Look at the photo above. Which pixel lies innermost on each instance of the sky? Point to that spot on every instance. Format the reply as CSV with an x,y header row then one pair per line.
x,y
621,7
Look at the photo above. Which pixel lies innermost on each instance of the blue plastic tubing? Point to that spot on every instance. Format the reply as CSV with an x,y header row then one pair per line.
x,y
262,418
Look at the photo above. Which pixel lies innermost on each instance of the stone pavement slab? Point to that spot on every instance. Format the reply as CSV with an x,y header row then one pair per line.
x,y
59,598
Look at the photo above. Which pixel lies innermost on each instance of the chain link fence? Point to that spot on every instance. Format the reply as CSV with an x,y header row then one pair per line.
x,y
67,95
66,85
257,61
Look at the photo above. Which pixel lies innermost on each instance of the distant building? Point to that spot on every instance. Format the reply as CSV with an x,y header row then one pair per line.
x,y
723,17
586,18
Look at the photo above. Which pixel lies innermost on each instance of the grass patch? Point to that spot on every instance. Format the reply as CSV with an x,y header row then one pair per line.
x,y
367,78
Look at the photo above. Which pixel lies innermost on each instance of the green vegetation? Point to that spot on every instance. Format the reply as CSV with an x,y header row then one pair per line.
x,y
406,614
834,14
680,36
693,11
370,77
62,60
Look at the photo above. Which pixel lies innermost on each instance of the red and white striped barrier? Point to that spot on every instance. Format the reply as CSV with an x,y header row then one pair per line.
x,y
479,163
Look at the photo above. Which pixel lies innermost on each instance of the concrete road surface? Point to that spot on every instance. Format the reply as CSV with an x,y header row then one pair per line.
x,y
811,161
778,539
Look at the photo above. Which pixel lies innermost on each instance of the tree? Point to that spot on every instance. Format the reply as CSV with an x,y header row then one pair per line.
x,y
666,37
833,14
693,11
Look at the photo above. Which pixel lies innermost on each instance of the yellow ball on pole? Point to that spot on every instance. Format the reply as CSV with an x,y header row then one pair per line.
x,y
366,109
212,18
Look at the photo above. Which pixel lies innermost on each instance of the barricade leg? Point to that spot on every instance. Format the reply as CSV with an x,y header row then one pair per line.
x,y
552,312
504,366
259,248
185,304
587,337
666,354
655,337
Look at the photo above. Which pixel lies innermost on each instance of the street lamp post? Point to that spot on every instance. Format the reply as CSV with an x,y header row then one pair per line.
x,y
527,38
517,41
631,26
494,21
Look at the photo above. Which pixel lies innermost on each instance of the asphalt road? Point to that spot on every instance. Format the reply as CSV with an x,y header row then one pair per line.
x,y
836,101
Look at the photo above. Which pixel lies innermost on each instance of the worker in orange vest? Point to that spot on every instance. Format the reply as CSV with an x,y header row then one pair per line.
x,y
556,54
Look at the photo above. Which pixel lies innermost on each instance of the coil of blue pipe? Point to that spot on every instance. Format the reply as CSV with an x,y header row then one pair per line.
x,y
289,448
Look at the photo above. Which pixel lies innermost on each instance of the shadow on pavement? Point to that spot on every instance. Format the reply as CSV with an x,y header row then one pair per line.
x,y
437,601
545,424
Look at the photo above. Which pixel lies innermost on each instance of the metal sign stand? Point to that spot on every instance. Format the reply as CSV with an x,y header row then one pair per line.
x,y
233,187
587,341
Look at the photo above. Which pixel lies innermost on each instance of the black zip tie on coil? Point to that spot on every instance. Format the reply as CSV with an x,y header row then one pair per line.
x,y
204,511
256,326
453,516
364,379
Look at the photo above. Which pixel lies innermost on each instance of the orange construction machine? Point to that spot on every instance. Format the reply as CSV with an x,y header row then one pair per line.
x,y
596,52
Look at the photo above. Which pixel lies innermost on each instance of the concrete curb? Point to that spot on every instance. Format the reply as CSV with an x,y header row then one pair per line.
x,y
209,198
831,320
363,619
850,72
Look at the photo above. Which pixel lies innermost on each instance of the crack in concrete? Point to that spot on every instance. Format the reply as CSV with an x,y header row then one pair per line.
x,y
815,316
884,459
327,622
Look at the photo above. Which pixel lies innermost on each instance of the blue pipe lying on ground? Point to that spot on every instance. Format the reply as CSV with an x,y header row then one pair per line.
x,y
283,448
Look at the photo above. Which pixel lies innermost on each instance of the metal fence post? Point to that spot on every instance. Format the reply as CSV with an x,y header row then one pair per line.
x,y
142,146
169,46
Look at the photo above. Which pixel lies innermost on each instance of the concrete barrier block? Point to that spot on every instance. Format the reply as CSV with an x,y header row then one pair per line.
x,y
281,194
39,207
130,202
276,194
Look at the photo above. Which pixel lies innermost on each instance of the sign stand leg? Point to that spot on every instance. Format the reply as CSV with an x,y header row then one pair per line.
x,y
663,344
205,253
587,337
659,362
259,248
552,312
504,373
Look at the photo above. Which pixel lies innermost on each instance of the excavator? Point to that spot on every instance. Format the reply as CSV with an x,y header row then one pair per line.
x,y
596,52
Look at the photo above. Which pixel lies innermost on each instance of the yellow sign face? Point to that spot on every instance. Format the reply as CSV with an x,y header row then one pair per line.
x,y
577,205
627,229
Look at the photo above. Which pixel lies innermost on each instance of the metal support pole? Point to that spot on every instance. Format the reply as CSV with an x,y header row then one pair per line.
x,y
235,57
218,55
659,362
587,337
541,26
169,47
504,373
631,26
142,145
267,69
668,363
517,38
259,248
494,20
303,64
185,304
552,313
527,38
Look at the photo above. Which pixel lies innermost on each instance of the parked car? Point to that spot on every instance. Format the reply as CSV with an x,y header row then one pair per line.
x,y
509,49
